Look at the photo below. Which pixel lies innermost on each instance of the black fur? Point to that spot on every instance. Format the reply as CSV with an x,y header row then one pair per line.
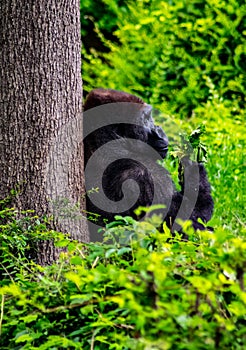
x,y
128,168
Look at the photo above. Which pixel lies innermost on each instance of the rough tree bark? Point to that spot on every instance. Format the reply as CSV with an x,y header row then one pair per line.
x,y
41,112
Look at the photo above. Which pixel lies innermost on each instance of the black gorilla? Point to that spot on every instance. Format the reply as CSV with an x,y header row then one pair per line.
x,y
137,161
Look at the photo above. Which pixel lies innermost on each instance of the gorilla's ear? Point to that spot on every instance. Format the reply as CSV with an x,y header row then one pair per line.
x,y
98,97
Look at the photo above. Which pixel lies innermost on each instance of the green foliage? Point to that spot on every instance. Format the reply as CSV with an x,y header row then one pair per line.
x,y
191,146
170,52
19,234
95,15
142,289
154,292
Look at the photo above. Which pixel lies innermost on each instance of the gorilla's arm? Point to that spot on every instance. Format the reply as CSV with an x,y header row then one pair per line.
x,y
195,194
204,204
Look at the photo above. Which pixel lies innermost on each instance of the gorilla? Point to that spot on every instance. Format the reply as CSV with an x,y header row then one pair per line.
x,y
130,176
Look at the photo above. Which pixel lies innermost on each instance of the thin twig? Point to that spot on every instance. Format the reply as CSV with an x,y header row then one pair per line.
x,y
1,314
95,262
239,220
92,341
9,275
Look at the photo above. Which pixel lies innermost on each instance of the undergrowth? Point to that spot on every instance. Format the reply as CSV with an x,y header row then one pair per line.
x,y
140,289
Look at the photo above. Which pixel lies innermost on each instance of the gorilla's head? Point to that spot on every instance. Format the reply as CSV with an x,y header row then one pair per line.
x,y
147,132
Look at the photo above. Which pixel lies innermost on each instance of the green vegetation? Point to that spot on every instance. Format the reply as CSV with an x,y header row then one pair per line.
x,y
171,52
154,291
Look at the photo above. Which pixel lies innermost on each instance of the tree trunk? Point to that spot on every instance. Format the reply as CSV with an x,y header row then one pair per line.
x,y
41,151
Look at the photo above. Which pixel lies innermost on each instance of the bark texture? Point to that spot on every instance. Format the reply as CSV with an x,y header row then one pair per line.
x,y
41,112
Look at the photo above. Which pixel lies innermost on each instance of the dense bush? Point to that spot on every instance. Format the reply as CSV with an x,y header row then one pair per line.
x,y
169,52
153,292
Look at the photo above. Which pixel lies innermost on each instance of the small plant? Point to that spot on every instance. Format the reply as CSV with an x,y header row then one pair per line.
x,y
19,234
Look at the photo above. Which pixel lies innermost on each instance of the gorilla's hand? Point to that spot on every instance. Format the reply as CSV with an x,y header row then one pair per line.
x,y
194,184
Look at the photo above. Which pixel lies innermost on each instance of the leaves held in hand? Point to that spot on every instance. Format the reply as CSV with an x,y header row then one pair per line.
x,y
199,148
192,147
